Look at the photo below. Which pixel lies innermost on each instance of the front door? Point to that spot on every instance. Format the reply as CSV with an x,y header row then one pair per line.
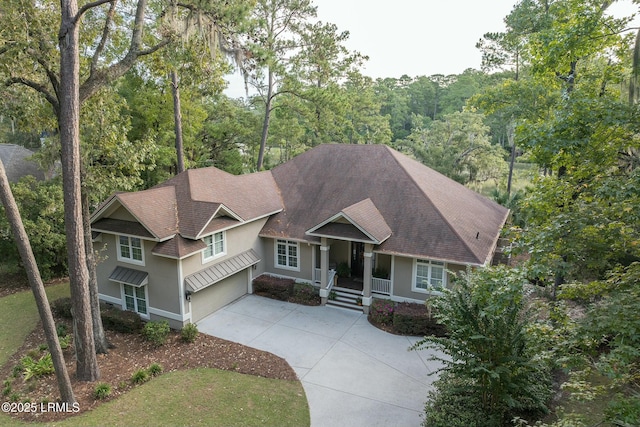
x,y
357,259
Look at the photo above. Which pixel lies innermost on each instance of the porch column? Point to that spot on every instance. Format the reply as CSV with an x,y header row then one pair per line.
x,y
324,270
366,279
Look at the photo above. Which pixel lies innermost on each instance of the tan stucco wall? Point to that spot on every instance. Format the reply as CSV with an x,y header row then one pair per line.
x,y
304,259
123,214
339,252
162,289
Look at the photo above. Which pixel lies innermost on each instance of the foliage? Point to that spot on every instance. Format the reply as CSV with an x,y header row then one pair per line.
x,y
61,307
381,311
34,369
154,369
156,332
102,391
489,353
189,333
343,270
118,320
273,287
415,319
458,146
140,376
304,293
41,207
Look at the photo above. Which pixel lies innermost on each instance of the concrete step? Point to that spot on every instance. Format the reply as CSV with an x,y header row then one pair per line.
x,y
344,305
338,289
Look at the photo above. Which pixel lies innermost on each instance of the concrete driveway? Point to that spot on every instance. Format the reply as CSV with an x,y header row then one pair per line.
x,y
353,373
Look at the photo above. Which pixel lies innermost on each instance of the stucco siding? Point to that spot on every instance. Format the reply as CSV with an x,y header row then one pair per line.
x,y
123,214
305,259
403,277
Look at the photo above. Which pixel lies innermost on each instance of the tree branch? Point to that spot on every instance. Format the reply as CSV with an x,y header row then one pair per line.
x,y
88,6
103,39
38,88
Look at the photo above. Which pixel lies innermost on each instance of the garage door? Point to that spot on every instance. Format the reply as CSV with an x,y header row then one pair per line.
x,y
216,296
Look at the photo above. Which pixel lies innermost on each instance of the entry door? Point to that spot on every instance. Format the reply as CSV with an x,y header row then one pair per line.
x,y
357,259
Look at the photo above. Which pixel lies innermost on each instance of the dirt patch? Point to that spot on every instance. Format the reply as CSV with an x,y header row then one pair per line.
x,y
129,354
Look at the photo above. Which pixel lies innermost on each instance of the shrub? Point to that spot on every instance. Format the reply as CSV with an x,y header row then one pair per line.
x,y
304,293
31,368
65,341
62,308
156,332
154,369
61,330
273,287
140,376
380,273
414,319
102,391
118,320
381,311
189,333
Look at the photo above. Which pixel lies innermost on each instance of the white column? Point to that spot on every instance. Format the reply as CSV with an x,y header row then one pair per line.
x,y
366,279
324,270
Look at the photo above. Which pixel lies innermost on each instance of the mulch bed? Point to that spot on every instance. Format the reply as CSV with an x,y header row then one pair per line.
x,y
131,353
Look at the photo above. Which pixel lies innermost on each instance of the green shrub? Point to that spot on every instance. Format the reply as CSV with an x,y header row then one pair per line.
x,y
273,287
33,369
381,311
414,319
380,273
189,332
306,294
61,330
343,270
62,308
102,391
6,390
156,332
65,341
117,320
140,376
155,369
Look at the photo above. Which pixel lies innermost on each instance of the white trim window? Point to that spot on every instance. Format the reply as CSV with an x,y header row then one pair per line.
x,y
130,249
215,246
287,254
428,276
135,299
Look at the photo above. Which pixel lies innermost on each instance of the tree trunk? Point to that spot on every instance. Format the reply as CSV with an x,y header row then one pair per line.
x,y
99,337
37,287
512,141
178,121
265,124
68,120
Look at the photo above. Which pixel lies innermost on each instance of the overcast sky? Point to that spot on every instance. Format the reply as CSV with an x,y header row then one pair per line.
x,y
418,37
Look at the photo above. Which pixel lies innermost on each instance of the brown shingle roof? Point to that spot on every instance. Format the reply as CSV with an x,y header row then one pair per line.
x,y
429,215
178,247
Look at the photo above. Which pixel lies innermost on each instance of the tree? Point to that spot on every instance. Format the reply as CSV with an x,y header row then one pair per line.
x,y
37,287
277,32
492,369
64,92
458,146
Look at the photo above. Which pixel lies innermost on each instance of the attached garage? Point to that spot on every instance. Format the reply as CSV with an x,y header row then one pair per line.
x,y
220,284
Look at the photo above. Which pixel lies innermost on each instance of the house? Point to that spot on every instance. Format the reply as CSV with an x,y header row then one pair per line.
x,y
185,248
18,163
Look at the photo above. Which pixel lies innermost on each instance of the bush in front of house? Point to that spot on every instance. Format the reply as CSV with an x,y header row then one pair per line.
x,y
118,320
189,333
273,287
306,294
381,311
156,332
414,319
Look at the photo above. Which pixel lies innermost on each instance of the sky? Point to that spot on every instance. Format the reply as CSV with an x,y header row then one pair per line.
x,y
417,37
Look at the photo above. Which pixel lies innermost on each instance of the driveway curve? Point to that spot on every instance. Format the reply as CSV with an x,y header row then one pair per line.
x,y
353,373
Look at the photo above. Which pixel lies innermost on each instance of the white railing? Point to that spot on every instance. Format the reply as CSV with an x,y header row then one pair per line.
x,y
330,281
381,286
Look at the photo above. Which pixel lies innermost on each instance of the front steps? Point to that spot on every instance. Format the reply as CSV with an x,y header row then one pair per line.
x,y
345,298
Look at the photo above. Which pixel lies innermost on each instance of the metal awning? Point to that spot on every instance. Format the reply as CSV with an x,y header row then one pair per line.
x,y
129,276
209,276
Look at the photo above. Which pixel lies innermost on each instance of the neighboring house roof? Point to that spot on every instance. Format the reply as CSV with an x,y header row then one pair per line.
x,y
429,215
17,162
368,193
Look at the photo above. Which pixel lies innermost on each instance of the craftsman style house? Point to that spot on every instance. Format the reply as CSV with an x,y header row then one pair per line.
x,y
185,248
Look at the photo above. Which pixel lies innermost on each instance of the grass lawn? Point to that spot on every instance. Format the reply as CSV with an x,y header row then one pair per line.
x,y
206,397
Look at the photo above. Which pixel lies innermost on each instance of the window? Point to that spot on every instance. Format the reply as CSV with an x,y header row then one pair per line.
x,y
215,245
287,254
130,249
135,299
429,275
